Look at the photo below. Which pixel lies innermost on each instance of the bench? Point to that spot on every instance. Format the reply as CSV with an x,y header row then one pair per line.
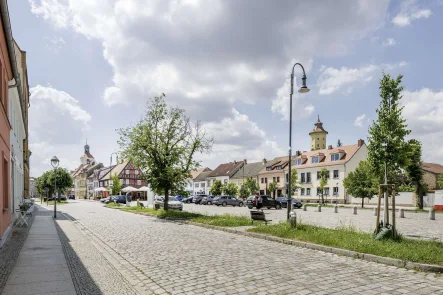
x,y
259,215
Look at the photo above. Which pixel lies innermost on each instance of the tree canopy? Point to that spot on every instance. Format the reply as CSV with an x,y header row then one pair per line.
x,y
295,185
361,183
386,140
63,179
414,170
216,188
272,187
116,185
324,173
231,189
251,186
163,145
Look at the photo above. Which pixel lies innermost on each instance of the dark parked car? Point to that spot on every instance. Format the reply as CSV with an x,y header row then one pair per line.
x,y
188,199
119,199
209,200
268,202
198,198
227,200
71,197
284,202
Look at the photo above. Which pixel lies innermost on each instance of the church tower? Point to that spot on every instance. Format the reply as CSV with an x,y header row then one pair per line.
x,y
318,136
87,158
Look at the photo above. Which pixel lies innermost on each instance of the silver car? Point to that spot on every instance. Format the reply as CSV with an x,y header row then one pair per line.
x,y
227,200
173,203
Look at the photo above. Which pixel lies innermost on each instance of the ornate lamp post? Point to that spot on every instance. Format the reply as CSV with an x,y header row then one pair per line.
x,y
54,163
303,89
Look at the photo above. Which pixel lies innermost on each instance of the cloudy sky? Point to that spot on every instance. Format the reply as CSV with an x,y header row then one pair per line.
x,y
93,64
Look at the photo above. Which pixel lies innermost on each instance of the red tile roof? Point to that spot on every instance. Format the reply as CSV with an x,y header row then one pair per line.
x,y
432,167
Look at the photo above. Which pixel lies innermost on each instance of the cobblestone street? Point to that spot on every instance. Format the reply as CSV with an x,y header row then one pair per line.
x,y
160,257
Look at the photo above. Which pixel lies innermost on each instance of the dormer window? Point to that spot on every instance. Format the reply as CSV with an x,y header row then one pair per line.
x,y
268,168
297,162
315,160
278,167
335,157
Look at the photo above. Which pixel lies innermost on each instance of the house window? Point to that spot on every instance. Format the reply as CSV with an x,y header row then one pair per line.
x,y
335,190
335,173
127,172
203,185
226,181
308,191
127,181
278,167
273,179
318,191
308,177
328,175
318,175
287,177
139,182
335,157
302,191
262,180
302,178
327,191
197,185
315,160
278,178
268,168
297,162
136,172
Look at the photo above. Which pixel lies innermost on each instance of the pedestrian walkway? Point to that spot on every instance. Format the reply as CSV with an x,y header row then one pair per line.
x,y
41,267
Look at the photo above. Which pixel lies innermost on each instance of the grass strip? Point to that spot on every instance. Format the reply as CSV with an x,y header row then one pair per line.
x,y
58,202
430,252
226,220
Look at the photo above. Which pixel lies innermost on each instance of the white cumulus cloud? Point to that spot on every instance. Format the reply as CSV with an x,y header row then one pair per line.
x,y
409,12
360,120
389,42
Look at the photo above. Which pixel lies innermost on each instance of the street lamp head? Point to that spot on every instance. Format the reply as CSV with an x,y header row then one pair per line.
x,y
303,88
54,162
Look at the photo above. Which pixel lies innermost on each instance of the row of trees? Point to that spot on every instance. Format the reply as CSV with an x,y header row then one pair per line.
x,y
389,152
46,180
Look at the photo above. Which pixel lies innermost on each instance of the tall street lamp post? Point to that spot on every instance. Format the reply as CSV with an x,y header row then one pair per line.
x,y
54,163
303,89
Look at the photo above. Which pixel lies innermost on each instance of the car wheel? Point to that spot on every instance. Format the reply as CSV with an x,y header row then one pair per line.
x,y
209,203
240,204
224,204
250,207
278,206
268,207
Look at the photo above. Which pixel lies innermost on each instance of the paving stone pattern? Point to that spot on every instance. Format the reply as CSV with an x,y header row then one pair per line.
x,y
11,249
183,259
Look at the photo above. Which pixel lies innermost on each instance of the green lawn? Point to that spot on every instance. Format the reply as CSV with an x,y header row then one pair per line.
x,y
113,205
408,249
58,203
226,220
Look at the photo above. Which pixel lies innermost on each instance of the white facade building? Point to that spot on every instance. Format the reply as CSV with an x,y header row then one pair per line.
x,y
338,161
17,137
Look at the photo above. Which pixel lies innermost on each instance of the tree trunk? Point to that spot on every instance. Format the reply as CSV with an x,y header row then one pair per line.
x,y
420,196
362,202
165,203
322,199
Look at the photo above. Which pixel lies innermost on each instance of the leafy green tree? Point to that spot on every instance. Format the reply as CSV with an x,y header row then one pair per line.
x,y
163,145
361,183
251,186
440,181
386,141
324,173
116,185
272,187
414,170
230,189
216,188
63,179
294,181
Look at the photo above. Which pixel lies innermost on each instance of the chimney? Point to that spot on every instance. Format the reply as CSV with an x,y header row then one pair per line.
x,y
297,153
264,161
329,147
361,142
235,161
245,161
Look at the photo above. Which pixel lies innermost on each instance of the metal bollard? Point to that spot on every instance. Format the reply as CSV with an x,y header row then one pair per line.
x,y
401,213
432,214
293,219
305,207
354,211
335,209
319,208
375,211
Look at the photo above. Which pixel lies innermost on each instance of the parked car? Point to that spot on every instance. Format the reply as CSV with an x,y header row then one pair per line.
x,y
119,199
179,198
228,200
284,202
173,203
268,202
188,200
103,200
209,200
71,197
198,198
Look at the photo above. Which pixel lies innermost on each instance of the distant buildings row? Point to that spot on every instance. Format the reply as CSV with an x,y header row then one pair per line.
x,y
14,100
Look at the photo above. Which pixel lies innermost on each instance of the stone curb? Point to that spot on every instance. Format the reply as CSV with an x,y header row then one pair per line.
x,y
338,251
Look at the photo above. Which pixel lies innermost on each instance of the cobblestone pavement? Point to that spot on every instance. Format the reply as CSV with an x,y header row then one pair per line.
x,y
416,225
172,258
